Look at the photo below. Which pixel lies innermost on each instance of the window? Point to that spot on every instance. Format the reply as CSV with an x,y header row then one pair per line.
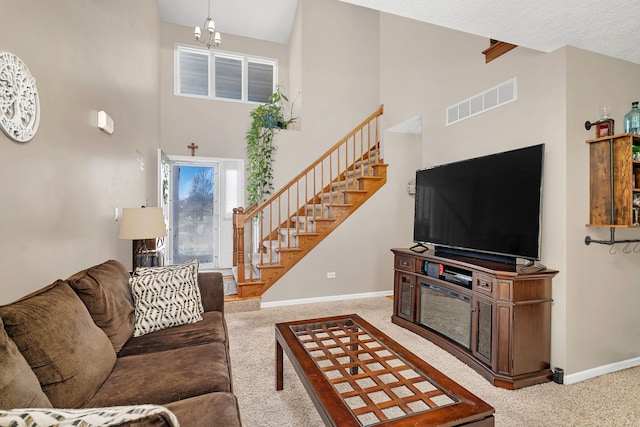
x,y
224,75
194,73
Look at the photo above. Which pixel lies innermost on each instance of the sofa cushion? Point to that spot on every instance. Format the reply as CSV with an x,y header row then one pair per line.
x,y
165,297
139,415
19,386
69,354
218,409
211,329
104,289
166,376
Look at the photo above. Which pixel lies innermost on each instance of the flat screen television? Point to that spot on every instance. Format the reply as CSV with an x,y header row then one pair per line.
x,y
486,207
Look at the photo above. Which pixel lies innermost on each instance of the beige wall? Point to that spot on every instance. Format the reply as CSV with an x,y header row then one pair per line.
x,y
602,290
60,189
217,127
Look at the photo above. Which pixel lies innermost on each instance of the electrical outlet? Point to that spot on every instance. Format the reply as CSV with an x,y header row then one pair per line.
x,y
331,275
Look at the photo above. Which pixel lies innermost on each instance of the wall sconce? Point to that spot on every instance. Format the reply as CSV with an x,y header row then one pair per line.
x,y
105,122
140,225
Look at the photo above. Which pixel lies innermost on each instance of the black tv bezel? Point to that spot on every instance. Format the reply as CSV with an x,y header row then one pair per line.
x,y
443,249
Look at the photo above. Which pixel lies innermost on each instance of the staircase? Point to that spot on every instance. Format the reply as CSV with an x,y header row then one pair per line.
x,y
269,239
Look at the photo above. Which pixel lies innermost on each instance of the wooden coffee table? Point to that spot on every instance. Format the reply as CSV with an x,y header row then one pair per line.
x,y
358,376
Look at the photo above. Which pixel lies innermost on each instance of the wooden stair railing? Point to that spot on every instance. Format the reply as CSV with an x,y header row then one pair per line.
x,y
270,238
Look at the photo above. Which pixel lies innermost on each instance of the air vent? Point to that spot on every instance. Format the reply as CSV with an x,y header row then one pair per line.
x,y
492,98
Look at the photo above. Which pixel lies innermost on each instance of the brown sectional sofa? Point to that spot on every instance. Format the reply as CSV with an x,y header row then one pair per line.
x,y
71,345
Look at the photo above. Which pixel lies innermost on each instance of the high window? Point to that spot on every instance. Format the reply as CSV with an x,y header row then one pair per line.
x,y
224,75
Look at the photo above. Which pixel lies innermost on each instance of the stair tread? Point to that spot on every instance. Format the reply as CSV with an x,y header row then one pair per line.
x,y
251,282
287,249
264,266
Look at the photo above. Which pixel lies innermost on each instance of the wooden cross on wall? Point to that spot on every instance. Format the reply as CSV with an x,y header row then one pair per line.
x,y
193,147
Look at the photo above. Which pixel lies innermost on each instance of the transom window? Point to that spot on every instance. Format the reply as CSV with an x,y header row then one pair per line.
x,y
224,75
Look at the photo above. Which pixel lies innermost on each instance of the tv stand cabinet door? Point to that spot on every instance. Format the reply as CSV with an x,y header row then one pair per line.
x,y
531,339
523,338
405,293
483,322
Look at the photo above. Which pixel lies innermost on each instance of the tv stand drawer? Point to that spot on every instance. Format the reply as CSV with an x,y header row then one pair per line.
x,y
483,284
405,263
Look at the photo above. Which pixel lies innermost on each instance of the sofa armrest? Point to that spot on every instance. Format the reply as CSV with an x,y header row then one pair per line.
x,y
212,290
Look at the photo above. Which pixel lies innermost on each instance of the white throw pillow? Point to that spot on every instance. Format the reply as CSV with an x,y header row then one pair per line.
x,y
165,297
192,265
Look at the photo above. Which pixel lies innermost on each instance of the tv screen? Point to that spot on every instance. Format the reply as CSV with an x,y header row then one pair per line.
x,y
487,205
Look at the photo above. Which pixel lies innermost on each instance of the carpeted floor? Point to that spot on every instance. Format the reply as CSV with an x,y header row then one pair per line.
x,y
609,400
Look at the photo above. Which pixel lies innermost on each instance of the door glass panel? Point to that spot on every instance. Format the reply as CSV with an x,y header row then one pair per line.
x,y
193,219
484,329
405,296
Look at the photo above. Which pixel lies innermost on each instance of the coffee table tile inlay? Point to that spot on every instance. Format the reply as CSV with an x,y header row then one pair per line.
x,y
369,375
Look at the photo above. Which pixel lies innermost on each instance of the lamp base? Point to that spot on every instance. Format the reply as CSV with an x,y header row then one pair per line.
x,y
146,253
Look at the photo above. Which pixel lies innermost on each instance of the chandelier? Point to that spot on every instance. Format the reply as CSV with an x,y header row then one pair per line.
x,y
211,36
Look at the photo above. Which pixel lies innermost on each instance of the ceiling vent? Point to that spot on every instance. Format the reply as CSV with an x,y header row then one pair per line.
x,y
492,98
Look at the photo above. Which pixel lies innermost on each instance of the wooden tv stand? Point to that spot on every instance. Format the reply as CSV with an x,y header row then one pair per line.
x,y
509,339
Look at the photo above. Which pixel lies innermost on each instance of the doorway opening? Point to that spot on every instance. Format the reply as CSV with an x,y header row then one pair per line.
x,y
198,195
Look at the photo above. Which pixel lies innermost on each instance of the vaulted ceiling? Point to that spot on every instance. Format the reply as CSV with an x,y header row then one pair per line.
x,y
607,27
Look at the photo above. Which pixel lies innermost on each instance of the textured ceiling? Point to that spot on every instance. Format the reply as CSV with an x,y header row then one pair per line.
x,y
608,27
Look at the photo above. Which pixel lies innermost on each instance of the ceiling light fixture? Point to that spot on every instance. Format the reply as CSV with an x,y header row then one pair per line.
x,y
211,36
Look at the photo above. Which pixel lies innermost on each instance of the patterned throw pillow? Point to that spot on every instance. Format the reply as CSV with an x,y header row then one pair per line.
x,y
110,416
165,297
192,267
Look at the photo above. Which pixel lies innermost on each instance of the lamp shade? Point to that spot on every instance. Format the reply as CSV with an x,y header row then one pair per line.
x,y
142,223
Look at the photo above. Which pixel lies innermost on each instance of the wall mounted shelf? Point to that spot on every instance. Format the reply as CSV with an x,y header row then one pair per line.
x,y
612,185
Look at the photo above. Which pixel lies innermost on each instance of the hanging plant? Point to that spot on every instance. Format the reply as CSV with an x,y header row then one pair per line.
x,y
266,120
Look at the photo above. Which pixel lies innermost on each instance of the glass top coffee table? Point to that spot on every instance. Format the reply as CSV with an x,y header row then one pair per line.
x,y
358,376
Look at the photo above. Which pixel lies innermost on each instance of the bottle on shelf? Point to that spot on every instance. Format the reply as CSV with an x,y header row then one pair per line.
x,y
605,124
632,119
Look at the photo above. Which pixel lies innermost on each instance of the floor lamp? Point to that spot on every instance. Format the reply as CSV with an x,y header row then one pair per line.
x,y
139,225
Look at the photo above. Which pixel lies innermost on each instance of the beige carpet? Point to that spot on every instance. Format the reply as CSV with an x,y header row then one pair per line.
x,y
609,400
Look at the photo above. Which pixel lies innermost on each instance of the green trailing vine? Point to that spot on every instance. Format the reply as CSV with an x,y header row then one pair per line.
x,y
266,120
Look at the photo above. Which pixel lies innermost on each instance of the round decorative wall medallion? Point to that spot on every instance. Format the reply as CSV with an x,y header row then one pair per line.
x,y
19,102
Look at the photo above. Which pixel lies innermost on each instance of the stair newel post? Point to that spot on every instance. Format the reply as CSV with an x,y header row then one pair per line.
x,y
238,241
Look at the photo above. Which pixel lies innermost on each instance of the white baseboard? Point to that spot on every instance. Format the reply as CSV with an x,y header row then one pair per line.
x,y
325,299
601,370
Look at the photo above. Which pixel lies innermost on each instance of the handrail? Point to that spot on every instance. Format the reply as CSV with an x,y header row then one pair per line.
x,y
273,220
326,154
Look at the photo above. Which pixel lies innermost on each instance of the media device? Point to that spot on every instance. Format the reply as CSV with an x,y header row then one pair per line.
x,y
486,207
